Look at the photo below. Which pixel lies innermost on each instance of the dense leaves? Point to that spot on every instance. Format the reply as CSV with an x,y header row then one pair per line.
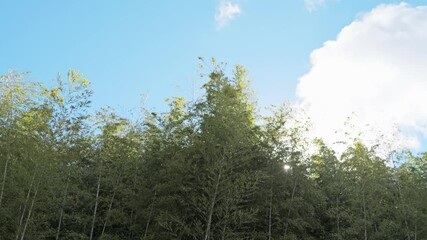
x,y
208,169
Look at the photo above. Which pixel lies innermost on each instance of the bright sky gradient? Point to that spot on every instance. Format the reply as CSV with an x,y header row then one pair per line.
x,y
134,48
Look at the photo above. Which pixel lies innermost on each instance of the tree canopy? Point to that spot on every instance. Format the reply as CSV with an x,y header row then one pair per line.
x,y
208,169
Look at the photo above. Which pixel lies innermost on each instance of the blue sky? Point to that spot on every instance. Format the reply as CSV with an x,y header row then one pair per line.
x,y
131,48
151,47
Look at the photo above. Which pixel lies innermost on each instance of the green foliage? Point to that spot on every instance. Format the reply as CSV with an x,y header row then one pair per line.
x,y
209,169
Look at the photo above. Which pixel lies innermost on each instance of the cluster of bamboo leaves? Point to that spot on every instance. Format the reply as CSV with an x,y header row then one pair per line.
x,y
207,169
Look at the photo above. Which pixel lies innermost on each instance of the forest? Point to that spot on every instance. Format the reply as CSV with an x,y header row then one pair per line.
x,y
207,169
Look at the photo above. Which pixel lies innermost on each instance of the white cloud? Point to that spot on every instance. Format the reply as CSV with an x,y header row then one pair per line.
x,y
374,72
226,12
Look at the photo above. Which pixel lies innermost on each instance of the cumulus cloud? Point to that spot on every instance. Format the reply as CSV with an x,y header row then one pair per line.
x,y
312,5
226,12
374,73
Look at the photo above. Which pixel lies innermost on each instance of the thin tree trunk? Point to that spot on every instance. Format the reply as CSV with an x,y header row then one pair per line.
x,y
289,210
62,206
9,119
4,179
223,232
148,223
269,214
224,228
416,221
211,210
25,206
20,210
338,218
364,215
399,191
131,223
29,213
149,216
108,213
96,207
110,206
132,213
408,231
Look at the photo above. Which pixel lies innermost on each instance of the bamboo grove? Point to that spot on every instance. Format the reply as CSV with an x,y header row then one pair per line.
x,y
207,169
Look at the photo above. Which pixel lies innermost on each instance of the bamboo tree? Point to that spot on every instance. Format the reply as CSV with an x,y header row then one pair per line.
x,y
13,95
61,213
29,213
110,206
96,205
212,206
6,165
25,205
